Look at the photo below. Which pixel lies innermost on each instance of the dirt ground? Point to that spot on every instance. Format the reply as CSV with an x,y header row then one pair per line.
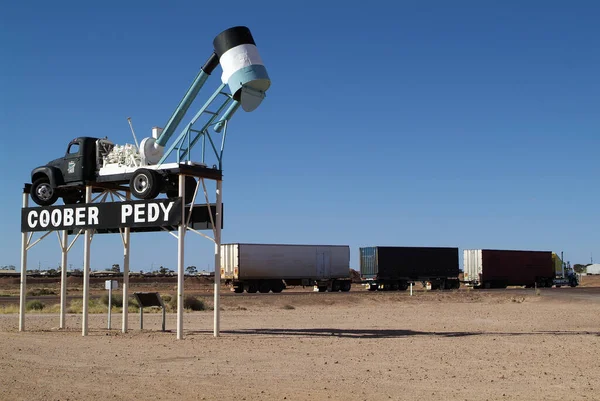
x,y
459,345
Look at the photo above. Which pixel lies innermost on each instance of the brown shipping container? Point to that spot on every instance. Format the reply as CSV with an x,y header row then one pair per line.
x,y
506,267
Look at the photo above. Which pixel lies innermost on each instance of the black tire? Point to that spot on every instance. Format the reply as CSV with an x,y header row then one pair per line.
x,y
346,286
336,286
144,184
238,290
264,287
42,192
322,288
402,285
277,286
252,288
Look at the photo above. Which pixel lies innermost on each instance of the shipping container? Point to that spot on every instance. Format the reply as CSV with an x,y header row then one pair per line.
x,y
492,268
272,267
394,267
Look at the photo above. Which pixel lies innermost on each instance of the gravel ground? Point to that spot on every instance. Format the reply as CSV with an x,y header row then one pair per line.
x,y
461,345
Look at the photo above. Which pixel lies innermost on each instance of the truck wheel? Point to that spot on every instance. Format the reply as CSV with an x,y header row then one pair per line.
x,y
336,286
322,288
346,286
238,290
144,184
264,287
251,288
42,192
277,286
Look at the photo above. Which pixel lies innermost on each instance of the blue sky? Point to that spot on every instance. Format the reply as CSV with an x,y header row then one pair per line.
x,y
472,124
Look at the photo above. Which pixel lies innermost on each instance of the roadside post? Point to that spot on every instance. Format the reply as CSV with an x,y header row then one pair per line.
x,y
110,285
411,284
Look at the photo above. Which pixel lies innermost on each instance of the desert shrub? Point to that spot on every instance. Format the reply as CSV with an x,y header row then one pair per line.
x,y
40,291
288,307
117,300
94,306
172,304
193,303
8,309
189,302
34,305
166,298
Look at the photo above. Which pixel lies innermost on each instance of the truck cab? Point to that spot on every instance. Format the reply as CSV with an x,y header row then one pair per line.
x,y
64,177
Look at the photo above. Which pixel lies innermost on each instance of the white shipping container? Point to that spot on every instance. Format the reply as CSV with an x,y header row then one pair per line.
x,y
279,261
472,264
593,269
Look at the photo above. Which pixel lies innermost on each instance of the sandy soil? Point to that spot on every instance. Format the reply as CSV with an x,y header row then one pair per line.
x,y
461,345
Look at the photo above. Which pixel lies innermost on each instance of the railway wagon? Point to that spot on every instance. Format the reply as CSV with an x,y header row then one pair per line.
x,y
272,267
394,268
494,268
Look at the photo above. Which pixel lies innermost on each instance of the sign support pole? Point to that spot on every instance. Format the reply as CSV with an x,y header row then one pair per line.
x,y
64,244
23,270
86,267
180,259
126,238
217,308
109,303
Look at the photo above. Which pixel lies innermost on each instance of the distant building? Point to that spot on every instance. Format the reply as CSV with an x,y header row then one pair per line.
x,y
593,269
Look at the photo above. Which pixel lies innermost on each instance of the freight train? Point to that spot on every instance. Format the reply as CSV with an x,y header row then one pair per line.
x,y
272,267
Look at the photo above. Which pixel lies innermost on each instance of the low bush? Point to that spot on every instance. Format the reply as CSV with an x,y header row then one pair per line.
x,y
40,291
166,298
288,307
117,300
34,305
193,303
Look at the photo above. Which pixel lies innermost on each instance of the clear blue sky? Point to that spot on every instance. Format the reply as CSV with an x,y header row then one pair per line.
x,y
472,124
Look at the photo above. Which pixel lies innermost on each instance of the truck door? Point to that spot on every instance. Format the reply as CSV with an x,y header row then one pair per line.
x,y
72,167
323,263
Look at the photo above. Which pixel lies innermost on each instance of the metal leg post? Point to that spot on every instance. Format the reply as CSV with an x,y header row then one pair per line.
x,y
217,310
180,260
126,245
23,293
63,279
86,268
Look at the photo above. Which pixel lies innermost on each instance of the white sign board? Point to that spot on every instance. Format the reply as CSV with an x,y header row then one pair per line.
x,y
111,284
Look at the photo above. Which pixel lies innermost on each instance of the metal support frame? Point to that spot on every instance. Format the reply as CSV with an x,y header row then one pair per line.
x,y
26,242
189,136
65,247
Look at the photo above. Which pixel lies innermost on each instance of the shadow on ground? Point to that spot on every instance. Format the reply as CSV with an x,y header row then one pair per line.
x,y
385,333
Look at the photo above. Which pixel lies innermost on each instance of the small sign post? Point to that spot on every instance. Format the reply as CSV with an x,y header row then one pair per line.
x,y
110,285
